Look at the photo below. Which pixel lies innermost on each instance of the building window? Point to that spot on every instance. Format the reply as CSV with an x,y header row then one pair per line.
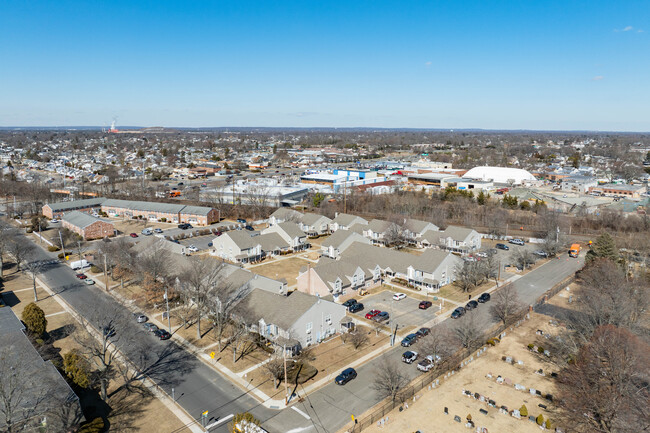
x,y
308,328
328,318
308,340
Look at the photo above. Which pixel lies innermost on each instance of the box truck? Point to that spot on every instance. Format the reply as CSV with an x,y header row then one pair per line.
x,y
79,264
575,250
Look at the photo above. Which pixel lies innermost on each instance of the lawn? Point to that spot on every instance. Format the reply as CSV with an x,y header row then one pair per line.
x,y
282,268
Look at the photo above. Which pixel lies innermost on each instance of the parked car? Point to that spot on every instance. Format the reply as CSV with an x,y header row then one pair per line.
x,y
89,282
355,307
424,305
108,331
219,233
249,228
134,235
349,302
162,334
241,220
81,276
428,362
147,232
516,241
409,356
502,246
54,221
399,296
491,252
409,339
185,226
423,332
482,255
150,327
141,318
346,375
381,317
471,305
157,230
192,249
372,313
484,298
541,253
457,313
210,244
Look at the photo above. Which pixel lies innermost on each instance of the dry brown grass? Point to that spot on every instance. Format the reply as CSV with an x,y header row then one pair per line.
x,y
285,268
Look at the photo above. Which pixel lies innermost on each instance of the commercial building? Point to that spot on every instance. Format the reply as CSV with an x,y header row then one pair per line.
x,y
500,175
616,190
56,210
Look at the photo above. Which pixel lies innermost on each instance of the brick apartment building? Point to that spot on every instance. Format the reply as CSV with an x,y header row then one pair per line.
x,y
87,226
152,211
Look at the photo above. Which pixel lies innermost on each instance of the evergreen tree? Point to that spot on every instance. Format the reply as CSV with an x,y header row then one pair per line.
x,y
34,319
605,247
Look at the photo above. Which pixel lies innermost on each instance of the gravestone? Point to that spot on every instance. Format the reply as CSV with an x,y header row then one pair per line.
x,y
532,391
543,406
489,375
516,414
456,418
519,387
492,403
507,381
532,418
509,359
520,362
499,380
547,353
476,396
538,392
483,411
446,410
482,399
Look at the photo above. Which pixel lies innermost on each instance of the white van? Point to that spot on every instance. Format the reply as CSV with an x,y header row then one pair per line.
x,y
147,232
79,264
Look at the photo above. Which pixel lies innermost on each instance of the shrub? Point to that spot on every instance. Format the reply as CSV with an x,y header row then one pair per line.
x,y
63,254
94,269
531,346
163,220
540,419
53,248
491,342
34,319
94,426
76,368
28,230
540,349
39,341
547,424
523,410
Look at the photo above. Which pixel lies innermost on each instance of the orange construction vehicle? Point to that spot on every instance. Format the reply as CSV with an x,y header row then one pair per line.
x,y
174,193
575,250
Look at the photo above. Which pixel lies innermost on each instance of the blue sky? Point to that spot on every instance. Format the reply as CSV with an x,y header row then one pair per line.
x,y
423,64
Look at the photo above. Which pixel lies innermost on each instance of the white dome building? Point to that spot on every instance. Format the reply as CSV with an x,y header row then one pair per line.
x,y
501,175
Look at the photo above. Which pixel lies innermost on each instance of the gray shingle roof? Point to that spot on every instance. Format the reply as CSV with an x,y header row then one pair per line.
x,y
76,204
271,241
457,233
279,310
338,237
144,206
379,226
292,229
243,240
346,219
82,220
312,218
416,226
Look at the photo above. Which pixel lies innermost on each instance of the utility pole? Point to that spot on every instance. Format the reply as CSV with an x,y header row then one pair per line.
x,y
61,239
169,320
105,274
286,388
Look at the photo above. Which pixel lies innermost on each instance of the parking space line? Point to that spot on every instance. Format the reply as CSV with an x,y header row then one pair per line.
x,y
56,314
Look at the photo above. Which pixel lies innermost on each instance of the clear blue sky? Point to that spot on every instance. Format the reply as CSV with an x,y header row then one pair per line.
x,y
455,64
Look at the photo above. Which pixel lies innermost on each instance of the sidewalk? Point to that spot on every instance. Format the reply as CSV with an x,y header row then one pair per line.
x,y
173,407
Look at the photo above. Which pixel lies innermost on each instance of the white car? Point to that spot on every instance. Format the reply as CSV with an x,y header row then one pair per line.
x,y
54,221
399,296
89,281
192,249
428,362
482,255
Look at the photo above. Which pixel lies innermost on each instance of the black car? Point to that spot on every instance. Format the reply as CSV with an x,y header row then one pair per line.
x,y
162,334
249,228
484,298
184,226
457,313
346,375
409,356
471,305
355,307
409,339
349,302
241,220
502,246
422,332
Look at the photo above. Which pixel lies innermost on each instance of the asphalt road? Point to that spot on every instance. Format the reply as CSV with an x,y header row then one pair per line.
x,y
198,387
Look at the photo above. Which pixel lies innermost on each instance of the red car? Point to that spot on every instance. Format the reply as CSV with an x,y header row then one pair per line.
x,y
372,313
81,276
133,235
424,305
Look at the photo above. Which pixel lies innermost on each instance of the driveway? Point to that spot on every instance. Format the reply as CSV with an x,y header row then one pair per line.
x,y
404,313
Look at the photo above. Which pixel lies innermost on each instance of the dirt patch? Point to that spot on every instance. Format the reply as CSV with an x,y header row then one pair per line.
x,y
282,268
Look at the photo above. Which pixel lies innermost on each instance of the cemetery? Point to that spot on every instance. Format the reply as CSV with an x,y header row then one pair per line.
x,y
507,387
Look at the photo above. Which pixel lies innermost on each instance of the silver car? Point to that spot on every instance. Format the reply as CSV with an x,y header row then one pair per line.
x,y
141,318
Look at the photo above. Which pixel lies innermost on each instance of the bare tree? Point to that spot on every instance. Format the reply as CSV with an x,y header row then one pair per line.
x,y
467,331
437,343
606,389
469,274
395,235
506,304
358,339
34,268
523,258
19,249
275,368
389,380
4,246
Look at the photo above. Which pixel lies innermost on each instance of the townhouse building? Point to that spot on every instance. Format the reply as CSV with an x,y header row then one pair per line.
x,y
87,226
290,232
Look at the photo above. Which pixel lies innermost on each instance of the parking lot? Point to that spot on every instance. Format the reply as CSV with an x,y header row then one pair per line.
x,y
200,242
405,312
